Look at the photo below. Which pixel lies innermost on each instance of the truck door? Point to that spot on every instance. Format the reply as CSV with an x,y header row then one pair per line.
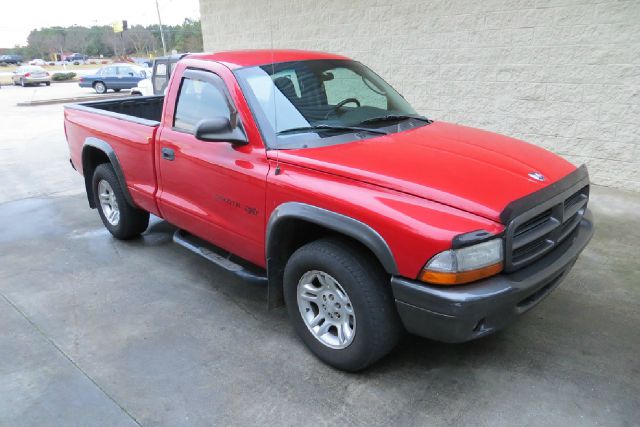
x,y
160,76
215,190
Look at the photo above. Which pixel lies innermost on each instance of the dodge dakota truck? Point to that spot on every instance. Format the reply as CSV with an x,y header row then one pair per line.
x,y
307,173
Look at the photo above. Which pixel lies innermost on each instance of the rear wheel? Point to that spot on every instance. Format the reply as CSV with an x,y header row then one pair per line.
x,y
100,87
47,83
121,219
340,303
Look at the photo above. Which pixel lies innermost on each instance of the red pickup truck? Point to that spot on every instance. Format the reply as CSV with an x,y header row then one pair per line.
x,y
308,173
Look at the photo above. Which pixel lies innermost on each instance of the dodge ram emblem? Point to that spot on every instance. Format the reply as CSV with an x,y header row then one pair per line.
x,y
537,176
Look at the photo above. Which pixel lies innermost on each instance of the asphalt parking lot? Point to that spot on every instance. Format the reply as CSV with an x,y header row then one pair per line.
x,y
96,331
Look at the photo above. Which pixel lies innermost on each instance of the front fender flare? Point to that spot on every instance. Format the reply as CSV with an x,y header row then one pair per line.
x,y
339,223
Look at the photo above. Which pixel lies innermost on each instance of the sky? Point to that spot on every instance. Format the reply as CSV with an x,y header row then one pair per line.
x,y
18,21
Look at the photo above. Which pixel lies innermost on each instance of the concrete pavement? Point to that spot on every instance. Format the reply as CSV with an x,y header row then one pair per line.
x,y
101,332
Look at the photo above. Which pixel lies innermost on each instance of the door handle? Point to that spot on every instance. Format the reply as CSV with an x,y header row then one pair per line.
x,y
168,154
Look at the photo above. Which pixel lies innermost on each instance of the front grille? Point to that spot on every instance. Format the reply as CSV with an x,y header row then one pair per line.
x,y
537,231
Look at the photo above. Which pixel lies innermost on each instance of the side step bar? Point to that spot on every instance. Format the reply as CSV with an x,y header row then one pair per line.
x,y
219,257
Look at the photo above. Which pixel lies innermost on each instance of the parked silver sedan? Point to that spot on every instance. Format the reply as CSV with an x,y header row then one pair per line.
x,y
30,75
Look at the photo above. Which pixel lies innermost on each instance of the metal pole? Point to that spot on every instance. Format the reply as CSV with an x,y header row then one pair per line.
x,y
164,46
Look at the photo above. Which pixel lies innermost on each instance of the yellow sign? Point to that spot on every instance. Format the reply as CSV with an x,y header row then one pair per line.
x,y
117,26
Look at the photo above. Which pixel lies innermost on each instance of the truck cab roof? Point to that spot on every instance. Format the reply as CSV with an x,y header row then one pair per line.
x,y
256,57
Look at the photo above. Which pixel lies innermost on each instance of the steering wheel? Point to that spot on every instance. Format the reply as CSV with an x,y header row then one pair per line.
x,y
341,104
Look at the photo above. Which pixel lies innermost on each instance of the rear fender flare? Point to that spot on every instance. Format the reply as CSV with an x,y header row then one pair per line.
x,y
115,163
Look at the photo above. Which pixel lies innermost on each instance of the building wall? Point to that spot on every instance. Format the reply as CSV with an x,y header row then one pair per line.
x,y
563,74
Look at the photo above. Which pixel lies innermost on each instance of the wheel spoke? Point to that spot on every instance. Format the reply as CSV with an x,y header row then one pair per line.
x,y
343,297
341,334
347,330
325,282
324,328
310,289
316,320
309,297
348,308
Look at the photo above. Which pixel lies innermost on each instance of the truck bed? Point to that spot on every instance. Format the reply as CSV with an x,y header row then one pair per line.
x,y
146,110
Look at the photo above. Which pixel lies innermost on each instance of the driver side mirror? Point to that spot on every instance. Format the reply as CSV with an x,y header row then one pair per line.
x,y
219,129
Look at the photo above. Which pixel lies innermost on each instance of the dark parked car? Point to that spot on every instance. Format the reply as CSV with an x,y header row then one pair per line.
x,y
11,59
76,57
114,76
30,75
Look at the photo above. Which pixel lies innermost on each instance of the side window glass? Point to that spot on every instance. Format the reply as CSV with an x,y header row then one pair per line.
x,y
161,69
198,100
126,71
108,71
160,77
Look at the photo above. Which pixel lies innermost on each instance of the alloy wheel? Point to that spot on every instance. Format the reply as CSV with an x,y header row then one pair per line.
x,y
108,202
326,309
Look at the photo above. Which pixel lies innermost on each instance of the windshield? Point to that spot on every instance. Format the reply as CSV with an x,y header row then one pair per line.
x,y
320,102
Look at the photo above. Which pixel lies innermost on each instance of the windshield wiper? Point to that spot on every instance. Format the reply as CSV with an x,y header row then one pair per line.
x,y
331,127
392,117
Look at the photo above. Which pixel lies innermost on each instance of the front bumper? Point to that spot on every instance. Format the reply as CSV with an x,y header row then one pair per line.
x,y
466,312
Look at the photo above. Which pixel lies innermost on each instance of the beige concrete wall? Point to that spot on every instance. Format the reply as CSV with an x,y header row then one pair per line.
x,y
563,74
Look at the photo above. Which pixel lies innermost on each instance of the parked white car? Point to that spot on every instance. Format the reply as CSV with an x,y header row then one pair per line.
x,y
38,62
144,88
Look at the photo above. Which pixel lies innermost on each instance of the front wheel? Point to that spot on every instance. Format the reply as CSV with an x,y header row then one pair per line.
x,y
340,303
100,87
121,219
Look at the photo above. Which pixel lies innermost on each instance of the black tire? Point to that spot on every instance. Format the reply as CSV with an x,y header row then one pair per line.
x,y
132,221
117,90
47,83
100,87
367,286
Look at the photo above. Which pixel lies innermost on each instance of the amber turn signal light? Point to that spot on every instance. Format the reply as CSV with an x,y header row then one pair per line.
x,y
461,277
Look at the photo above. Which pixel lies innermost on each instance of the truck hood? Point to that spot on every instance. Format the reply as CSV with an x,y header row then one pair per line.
x,y
477,171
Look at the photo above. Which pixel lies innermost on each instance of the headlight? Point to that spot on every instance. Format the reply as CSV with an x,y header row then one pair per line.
x,y
457,266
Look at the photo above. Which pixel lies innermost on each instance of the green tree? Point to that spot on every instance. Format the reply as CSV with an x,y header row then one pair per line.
x,y
100,40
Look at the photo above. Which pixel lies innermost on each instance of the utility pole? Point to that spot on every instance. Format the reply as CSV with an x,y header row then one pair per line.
x,y
164,46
